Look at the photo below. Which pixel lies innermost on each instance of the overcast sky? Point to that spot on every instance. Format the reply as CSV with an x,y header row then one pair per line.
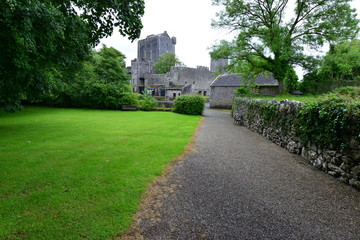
x,y
187,20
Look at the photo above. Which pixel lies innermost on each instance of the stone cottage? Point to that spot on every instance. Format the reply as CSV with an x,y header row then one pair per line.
x,y
223,87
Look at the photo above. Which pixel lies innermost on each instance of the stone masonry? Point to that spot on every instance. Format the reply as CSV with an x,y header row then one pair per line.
x,y
180,80
345,165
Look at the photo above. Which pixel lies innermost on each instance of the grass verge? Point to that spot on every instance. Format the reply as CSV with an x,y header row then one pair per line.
x,y
75,173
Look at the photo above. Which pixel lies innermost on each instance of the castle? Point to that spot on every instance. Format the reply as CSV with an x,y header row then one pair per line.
x,y
180,80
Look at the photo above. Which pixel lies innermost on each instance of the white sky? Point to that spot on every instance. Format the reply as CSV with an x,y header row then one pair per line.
x,y
187,20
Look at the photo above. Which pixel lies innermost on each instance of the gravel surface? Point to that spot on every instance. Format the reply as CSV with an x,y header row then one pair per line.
x,y
238,185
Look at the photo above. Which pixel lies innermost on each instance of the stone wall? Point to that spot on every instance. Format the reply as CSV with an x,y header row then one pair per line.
x,y
200,78
342,165
157,79
221,97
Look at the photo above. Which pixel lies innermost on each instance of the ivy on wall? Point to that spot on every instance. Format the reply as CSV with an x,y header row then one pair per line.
x,y
327,123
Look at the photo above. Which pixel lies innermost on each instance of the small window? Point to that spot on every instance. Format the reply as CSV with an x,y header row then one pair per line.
x,y
174,95
194,82
204,93
200,92
179,94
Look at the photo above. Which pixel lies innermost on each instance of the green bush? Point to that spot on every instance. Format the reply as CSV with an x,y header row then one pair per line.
x,y
189,104
347,92
291,80
243,91
90,94
146,101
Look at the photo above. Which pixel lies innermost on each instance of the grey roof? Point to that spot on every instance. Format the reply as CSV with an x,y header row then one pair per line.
x,y
234,80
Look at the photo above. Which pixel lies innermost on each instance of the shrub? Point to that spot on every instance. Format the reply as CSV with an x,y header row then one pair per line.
x,y
189,104
90,94
243,91
348,92
146,101
291,80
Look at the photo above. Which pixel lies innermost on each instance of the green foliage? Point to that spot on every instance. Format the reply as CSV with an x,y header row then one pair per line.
x,y
165,62
313,83
189,104
267,42
305,98
340,67
243,91
40,38
291,80
109,65
352,93
146,101
328,123
78,173
100,82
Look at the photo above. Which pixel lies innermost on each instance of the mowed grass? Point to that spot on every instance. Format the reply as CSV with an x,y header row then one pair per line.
x,y
79,174
300,98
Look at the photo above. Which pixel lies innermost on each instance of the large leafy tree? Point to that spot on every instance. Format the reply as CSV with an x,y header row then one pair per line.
x,y
165,62
339,67
269,40
38,38
109,65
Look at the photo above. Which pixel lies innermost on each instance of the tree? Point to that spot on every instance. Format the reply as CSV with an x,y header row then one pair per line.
x,y
101,81
267,42
109,65
291,80
38,38
341,65
165,62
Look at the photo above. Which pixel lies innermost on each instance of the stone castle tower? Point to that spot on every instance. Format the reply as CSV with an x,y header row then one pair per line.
x,y
149,50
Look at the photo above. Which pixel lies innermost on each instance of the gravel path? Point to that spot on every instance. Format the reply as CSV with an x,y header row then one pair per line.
x,y
238,185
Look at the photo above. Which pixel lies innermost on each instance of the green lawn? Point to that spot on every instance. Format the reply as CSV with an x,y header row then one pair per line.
x,y
300,98
79,174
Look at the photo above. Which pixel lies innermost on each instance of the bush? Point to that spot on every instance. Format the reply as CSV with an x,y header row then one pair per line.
x,y
291,80
146,101
90,94
243,91
189,104
348,92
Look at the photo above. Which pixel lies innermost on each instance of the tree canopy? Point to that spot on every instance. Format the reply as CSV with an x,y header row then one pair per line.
x,y
109,65
339,67
342,63
165,62
38,38
269,40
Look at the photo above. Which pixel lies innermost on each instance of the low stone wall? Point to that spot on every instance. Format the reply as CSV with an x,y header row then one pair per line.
x,y
281,129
